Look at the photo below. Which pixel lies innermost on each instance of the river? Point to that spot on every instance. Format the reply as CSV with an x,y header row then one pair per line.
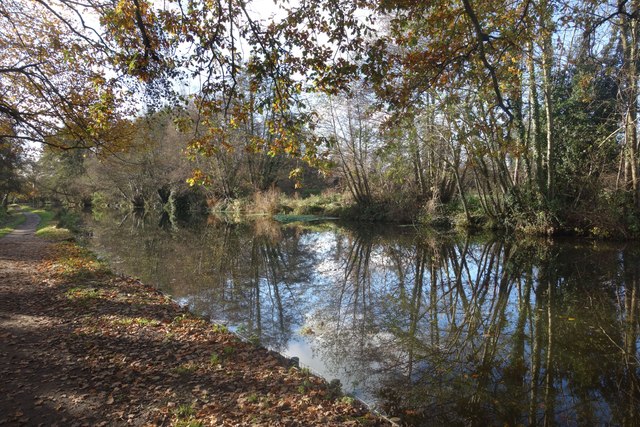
x,y
435,329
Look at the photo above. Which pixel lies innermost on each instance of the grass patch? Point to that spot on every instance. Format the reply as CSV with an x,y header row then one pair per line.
x,y
45,218
347,400
325,204
304,387
215,359
185,414
82,293
11,221
305,371
286,219
220,329
52,232
185,368
185,411
188,423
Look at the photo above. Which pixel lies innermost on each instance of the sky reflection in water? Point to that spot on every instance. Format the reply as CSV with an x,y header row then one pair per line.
x,y
434,330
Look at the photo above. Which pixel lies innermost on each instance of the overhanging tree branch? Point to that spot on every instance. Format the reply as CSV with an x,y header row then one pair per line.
x,y
483,38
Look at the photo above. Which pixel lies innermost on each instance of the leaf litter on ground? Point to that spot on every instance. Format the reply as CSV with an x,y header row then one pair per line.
x,y
101,349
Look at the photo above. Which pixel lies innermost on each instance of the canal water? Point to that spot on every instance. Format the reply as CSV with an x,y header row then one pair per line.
x,y
435,329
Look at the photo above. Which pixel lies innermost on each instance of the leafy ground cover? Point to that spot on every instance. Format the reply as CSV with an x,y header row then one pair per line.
x,y
81,346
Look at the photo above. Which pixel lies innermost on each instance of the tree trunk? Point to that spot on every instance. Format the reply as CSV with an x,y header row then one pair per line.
x,y
547,60
629,39
534,120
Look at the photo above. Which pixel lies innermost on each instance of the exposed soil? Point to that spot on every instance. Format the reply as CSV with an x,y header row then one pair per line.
x,y
80,346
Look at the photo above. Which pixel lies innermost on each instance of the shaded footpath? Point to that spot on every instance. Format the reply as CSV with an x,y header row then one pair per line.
x,y
80,346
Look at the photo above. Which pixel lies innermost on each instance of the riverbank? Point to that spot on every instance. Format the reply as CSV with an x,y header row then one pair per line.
x,y
81,346
611,217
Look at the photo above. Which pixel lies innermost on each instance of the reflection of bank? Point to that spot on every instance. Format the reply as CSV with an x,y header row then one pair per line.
x,y
630,351
437,331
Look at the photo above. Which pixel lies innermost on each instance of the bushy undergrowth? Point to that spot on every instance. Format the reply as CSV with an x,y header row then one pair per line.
x,y
326,204
602,215
608,214
266,201
68,219
273,202
611,214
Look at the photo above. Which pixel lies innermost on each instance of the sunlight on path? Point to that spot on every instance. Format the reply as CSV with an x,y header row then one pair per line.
x,y
27,228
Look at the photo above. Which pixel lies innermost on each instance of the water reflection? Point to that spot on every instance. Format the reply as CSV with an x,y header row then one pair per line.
x,y
436,331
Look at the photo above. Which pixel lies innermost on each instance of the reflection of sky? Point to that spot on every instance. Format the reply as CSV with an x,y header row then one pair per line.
x,y
367,330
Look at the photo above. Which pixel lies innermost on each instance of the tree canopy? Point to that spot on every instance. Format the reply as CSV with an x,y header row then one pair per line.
x,y
53,84
529,105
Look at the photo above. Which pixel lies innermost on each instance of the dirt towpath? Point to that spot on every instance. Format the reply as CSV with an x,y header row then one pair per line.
x,y
32,365
82,347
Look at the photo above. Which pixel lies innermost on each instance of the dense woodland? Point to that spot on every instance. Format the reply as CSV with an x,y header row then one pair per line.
x,y
504,114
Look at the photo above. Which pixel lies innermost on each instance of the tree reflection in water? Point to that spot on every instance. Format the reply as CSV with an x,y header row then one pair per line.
x,y
437,330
